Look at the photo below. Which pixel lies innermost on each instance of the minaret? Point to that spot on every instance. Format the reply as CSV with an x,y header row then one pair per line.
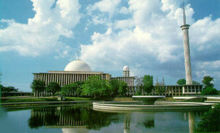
x,y
185,28
126,72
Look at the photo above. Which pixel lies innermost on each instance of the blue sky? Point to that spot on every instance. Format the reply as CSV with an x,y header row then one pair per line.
x,y
43,35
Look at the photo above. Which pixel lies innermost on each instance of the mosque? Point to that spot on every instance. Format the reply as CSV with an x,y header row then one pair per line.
x,y
78,70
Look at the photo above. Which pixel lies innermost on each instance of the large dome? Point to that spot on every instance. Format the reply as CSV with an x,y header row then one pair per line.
x,y
77,65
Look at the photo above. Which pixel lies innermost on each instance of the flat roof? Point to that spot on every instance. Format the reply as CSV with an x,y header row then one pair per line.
x,y
71,72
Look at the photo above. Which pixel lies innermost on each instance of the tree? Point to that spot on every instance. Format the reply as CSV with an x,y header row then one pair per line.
x,y
181,82
139,85
208,86
114,87
207,81
148,83
72,89
68,90
79,87
7,89
96,87
118,87
38,86
210,120
122,90
209,91
53,87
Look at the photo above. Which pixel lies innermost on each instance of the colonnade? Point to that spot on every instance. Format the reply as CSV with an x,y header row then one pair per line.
x,y
65,78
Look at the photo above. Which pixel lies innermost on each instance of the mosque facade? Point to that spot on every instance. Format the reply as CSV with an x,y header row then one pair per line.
x,y
78,70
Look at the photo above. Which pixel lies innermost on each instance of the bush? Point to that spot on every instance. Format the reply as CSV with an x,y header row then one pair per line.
x,y
210,121
118,88
53,87
209,91
95,87
69,89
38,86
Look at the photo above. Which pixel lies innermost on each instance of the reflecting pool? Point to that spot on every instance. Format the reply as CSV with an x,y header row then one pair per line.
x,y
81,118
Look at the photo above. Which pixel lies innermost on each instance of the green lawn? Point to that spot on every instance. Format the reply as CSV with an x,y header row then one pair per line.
x,y
30,99
38,99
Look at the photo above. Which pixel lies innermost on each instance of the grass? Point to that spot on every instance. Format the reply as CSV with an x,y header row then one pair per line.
x,y
123,99
77,98
40,99
29,99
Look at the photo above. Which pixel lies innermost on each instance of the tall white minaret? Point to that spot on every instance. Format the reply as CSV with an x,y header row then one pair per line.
x,y
185,28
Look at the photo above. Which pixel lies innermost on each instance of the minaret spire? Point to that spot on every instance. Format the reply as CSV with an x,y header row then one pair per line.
x,y
185,29
184,15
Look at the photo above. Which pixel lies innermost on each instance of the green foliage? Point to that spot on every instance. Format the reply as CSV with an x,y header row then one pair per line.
x,y
118,88
122,90
207,81
181,82
69,89
6,89
53,87
72,89
79,88
210,121
209,91
96,87
160,90
38,86
139,85
148,83
208,86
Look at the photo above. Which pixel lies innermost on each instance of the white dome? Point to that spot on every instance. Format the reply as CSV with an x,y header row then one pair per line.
x,y
125,68
77,65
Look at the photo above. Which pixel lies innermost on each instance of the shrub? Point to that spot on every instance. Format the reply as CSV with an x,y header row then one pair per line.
x,y
210,120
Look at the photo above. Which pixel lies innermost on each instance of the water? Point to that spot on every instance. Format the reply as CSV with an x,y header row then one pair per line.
x,y
80,118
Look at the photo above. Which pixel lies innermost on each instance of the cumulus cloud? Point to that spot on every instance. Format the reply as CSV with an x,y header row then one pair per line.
x,y
150,41
52,20
105,6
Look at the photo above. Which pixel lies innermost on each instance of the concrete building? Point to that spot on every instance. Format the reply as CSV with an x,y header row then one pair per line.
x,y
78,70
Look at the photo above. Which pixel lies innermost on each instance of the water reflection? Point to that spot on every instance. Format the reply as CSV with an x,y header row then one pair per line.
x,y
81,118
76,116
191,121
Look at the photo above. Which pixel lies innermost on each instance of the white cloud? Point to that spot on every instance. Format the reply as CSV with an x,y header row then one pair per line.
x,y
42,32
205,32
150,41
124,10
105,6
